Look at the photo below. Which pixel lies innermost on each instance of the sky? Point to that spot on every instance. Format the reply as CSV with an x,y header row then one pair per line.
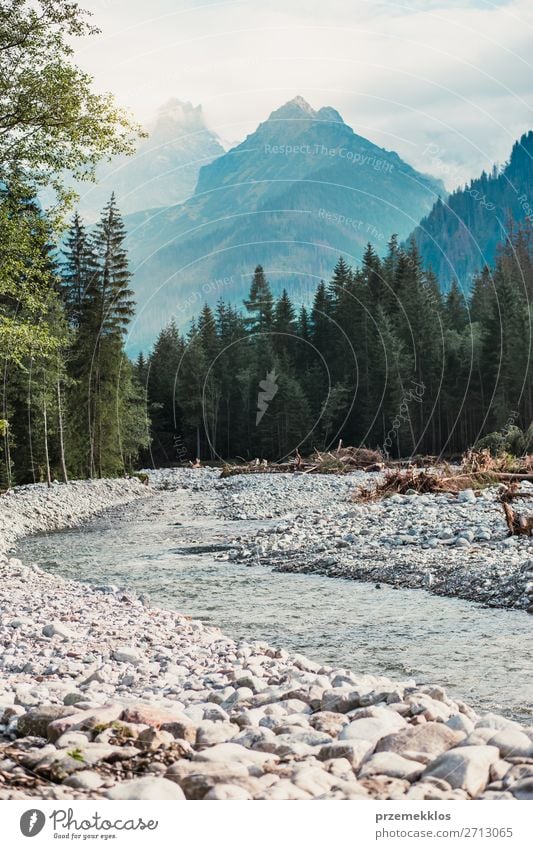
x,y
446,84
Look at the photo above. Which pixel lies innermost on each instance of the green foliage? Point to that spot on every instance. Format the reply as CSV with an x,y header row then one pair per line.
x,y
512,442
107,422
50,117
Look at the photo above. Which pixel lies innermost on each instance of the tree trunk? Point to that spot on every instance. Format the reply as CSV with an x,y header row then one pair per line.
x,y
45,436
61,437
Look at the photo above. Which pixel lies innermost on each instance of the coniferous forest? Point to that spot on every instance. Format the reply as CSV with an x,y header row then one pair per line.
x,y
380,357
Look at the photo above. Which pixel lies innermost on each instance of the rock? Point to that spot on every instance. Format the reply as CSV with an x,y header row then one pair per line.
x,y
73,698
459,722
153,716
129,654
431,737
393,765
313,780
153,738
35,723
523,789
146,788
196,779
72,740
210,733
232,752
373,728
304,663
223,792
466,496
340,700
86,720
58,629
308,738
465,768
286,790
498,723
181,729
510,741
354,751
328,722
85,779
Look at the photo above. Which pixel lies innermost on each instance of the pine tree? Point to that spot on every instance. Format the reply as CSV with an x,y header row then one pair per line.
x,y
284,326
260,304
341,277
96,271
456,309
79,269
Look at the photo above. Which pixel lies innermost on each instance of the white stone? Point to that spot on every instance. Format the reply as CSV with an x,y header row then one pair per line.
x,y
229,752
224,792
465,768
128,654
146,788
373,728
85,779
393,765
58,629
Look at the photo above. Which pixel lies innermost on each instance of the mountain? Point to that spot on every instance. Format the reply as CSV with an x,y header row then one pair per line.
x,y
163,171
300,190
460,236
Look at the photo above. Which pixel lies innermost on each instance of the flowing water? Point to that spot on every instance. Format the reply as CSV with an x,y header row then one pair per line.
x,y
160,547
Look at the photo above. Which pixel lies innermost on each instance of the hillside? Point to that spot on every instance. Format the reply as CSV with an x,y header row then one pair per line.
x,y
300,190
460,236
163,171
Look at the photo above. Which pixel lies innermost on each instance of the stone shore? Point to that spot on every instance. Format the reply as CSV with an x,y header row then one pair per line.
x,y
456,545
104,697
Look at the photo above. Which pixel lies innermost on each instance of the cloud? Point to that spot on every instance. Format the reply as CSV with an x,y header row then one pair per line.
x,y
403,74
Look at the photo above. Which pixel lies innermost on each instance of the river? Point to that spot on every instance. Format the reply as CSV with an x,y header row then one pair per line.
x,y
478,654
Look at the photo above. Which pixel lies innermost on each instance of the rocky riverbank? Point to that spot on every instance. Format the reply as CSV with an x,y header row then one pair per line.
x,y
38,508
104,697
453,545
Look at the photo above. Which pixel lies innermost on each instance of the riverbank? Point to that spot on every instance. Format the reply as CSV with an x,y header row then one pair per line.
x,y
37,508
104,697
455,545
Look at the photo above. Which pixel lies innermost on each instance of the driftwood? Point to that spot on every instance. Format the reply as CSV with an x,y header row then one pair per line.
x,y
403,481
506,465
338,461
519,524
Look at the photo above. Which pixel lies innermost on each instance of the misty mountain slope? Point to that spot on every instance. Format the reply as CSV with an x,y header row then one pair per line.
x,y
460,236
296,193
163,171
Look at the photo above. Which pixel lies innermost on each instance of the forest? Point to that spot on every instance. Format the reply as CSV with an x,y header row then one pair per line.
x,y
380,357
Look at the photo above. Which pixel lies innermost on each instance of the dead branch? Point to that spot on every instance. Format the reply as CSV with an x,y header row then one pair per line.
x,y
518,524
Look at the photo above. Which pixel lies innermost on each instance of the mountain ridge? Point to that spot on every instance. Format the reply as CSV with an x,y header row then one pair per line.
x,y
293,195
